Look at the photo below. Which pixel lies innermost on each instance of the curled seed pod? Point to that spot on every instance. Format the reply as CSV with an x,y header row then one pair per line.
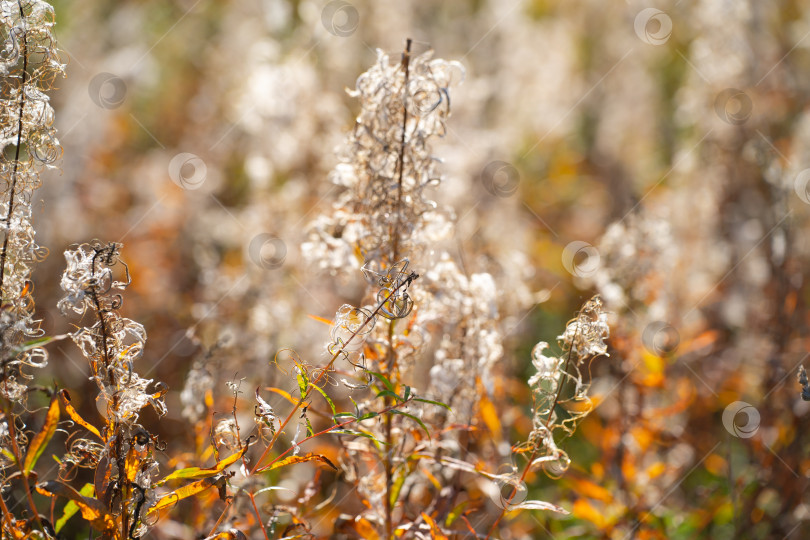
x,y
396,304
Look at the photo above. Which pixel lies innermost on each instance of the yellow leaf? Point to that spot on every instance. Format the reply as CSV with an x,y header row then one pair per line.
x,y
186,491
92,510
74,415
196,473
298,459
71,507
583,509
490,416
42,438
656,469
283,394
716,465
321,319
589,489
435,532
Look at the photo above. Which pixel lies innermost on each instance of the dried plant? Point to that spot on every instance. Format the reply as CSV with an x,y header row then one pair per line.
x,y
401,413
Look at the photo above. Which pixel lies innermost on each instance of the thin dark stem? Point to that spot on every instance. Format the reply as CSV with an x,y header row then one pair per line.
x,y
406,61
123,484
405,283
13,187
391,360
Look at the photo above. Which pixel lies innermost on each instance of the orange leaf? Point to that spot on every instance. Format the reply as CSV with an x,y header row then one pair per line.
x,y
490,416
583,509
187,491
591,490
282,393
92,510
196,473
74,415
42,438
321,319
435,532
365,529
298,459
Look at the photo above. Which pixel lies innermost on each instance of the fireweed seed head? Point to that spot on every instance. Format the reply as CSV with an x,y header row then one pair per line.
x,y
586,334
548,367
29,65
385,211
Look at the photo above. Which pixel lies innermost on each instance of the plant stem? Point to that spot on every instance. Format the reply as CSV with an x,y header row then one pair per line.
x,y
13,187
258,467
534,452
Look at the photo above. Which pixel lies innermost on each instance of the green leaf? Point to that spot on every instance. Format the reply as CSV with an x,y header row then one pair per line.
x,y
93,511
358,434
303,382
356,407
455,513
195,473
388,393
383,379
407,393
35,343
414,418
439,403
397,487
322,392
42,438
71,507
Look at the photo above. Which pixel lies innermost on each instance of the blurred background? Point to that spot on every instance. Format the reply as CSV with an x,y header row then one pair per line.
x,y
656,153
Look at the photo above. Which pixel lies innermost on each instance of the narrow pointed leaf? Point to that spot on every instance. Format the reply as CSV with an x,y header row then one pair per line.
x,y
414,418
75,416
299,459
42,438
71,507
186,491
196,473
92,510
